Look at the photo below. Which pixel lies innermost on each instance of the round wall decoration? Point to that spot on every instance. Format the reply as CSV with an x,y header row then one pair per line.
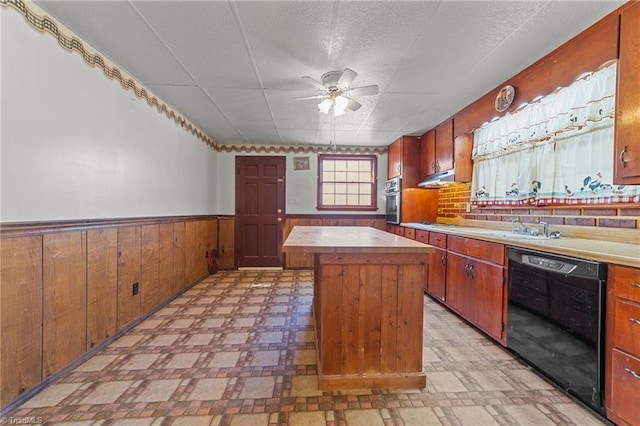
x,y
505,98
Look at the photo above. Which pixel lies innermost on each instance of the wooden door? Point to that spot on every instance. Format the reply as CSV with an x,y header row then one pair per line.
x,y
260,210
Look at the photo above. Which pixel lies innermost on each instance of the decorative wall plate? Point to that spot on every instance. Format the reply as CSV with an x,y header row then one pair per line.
x,y
505,98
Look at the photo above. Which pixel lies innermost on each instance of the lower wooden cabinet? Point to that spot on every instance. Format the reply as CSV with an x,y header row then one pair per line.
x,y
436,282
622,377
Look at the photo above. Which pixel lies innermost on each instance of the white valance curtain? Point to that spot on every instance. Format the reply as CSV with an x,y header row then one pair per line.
x,y
556,150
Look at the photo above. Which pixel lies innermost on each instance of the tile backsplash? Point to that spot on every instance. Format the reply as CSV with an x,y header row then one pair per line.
x,y
454,199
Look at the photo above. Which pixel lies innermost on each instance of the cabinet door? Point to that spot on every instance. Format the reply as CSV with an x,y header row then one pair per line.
x,y
627,129
65,299
459,293
428,154
444,146
437,274
20,316
487,282
102,284
394,165
625,387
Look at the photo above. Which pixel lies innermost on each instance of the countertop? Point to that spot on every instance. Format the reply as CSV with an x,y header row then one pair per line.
x,y
349,239
602,251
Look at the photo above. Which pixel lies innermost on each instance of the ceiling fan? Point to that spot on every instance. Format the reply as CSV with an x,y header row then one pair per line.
x,y
337,91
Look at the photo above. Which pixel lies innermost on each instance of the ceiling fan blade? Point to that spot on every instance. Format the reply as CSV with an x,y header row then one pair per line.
x,y
354,105
346,78
310,97
314,82
364,90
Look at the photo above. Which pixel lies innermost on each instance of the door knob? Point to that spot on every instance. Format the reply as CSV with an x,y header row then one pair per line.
x,y
279,211
279,219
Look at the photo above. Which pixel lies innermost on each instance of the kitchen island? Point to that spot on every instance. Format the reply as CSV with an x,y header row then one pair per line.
x,y
367,305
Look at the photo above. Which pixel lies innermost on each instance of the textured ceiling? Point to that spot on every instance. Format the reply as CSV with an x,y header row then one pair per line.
x,y
234,68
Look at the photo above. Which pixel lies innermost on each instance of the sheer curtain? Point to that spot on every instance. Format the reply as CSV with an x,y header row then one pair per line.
x,y
556,150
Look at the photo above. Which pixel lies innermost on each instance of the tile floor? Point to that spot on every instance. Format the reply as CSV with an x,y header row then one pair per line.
x,y
238,349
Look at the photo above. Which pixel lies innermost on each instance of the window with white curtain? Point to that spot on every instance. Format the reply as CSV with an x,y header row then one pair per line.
x,y
557,150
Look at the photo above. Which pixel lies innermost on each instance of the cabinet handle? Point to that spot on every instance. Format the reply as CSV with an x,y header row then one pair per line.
x,y
436,238
622,155
443,260
636,285
472,271
635,321
633,373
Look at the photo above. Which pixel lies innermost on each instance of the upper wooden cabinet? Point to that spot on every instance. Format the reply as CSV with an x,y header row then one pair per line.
x,y
404,160
437,149
627,129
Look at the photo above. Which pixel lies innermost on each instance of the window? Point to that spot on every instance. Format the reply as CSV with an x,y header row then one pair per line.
x,y
347,182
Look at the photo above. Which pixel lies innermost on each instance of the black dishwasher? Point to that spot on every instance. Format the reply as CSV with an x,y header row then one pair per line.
x,y
556,320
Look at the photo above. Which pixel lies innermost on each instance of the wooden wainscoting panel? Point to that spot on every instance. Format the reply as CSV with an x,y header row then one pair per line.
x,y
192,242
20,316
202,248
179,256
165,262
102,284
149,285
129,240
227,242
65,299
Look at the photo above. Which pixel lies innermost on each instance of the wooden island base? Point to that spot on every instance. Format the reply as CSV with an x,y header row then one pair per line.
x,y
368,308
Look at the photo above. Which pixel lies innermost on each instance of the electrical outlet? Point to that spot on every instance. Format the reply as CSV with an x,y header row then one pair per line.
x,y
136,288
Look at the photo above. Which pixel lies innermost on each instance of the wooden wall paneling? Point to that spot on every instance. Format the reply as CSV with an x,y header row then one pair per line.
x,y
585,52
20,316
226,242
102,284
129,257
330,319
352,326
65,299
212,236
202,230
389,326
179,256
166,277
191,251
149,267
371,323
410,313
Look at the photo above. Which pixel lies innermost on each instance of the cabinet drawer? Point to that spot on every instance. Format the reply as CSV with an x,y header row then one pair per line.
x,y
626,281
625,383
485,250
422,236
438,240
626,333
410,233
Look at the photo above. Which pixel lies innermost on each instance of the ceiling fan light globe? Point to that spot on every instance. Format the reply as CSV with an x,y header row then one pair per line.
x,y
340,105
325,106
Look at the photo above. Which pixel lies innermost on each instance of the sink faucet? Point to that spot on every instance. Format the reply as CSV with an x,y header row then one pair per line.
x,y
518,227
545,229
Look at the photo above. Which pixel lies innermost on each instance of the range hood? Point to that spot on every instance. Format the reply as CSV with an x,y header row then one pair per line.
x,y
438,179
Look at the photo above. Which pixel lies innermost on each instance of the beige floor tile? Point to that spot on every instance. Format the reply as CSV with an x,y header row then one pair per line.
x,y
127,341
315,418
474,416
107,392
464,353
139,362
491,381
254,300
163,340
193,421
305,386
419,416
277,309
270,337
213,323
139,421
266,358
149,324
250,419
250,309
208,389
258,387
199,339
236,338
275,321
527,415
444,382
158,390
577,414
97,363
304,336
52,395
181,323
185,360
224,359
195,310
363,418
223,310
530,379
244,322
304,357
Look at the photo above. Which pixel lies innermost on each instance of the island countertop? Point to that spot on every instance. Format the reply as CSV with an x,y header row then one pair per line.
x,y
350,239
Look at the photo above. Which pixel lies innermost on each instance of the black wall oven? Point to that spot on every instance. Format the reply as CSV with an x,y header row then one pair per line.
x,y
392,192
556,320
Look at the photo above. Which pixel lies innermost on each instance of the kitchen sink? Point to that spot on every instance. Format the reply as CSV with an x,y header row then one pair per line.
x,y
511,235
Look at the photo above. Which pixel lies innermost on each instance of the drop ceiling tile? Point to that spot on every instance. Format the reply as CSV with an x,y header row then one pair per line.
x,y
394,110
242,106
117,31
259,134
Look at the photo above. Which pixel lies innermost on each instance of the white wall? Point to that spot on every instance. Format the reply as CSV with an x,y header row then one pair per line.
x,y
300,185
75,145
